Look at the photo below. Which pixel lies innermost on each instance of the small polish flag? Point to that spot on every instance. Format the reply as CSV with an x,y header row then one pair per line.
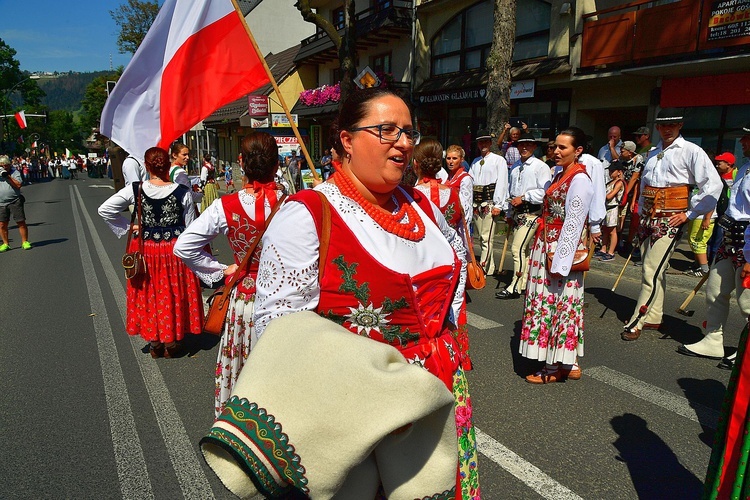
x,y
67,152
33,145
21,119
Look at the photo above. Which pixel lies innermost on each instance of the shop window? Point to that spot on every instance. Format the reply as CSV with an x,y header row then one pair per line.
x,y
335,76
464,42
381,63
338,18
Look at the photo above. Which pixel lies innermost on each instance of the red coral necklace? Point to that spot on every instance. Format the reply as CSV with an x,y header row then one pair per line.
x,y
412,230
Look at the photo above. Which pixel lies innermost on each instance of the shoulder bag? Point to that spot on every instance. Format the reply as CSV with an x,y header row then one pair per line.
x,y
218,302
475,276
133,262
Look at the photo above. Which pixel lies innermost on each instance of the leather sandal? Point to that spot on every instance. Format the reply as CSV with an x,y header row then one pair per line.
x,y
572,374
546,377
172,350
630,334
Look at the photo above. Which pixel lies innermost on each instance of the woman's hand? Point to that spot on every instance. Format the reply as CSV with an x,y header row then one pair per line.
x,y
231,270
678,219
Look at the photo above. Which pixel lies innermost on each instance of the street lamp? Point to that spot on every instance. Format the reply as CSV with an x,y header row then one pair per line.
x,y
6,97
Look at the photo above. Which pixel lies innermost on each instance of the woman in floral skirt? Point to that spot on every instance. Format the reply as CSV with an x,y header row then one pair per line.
x,y
165,302
241,216
552,328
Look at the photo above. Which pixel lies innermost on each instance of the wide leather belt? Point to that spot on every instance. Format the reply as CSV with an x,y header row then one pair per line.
x,y
734,231
483,193
665,199
527,208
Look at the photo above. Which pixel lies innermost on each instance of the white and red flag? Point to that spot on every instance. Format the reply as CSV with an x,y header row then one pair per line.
x,y
196,57
33,145
21,119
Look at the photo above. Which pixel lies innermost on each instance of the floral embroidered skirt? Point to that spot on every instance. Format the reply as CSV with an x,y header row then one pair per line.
x,y
462,338
468,474
166,302
552,329
210,194
234,347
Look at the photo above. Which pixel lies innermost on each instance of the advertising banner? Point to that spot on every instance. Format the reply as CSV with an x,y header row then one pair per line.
x,y
257,105
729,19
280,120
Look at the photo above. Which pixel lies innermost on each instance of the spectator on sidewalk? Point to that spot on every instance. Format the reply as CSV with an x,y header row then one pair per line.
x,y
727,173
642,138
11,203
615,192
611,151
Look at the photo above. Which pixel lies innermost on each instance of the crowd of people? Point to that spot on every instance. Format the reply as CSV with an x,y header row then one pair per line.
x,y
383,254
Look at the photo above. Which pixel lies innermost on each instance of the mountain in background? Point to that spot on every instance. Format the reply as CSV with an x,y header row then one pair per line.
x,y
65,91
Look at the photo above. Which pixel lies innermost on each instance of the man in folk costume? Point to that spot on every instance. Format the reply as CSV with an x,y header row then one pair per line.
x,y
671,168
490,174
725,275
529,179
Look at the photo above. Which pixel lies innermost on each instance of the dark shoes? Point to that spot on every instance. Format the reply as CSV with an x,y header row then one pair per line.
x,y
687,352
171,350
156,351
630,334
507,294
651,326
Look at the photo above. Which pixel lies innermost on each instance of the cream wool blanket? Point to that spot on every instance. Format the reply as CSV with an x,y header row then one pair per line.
x,y
320,411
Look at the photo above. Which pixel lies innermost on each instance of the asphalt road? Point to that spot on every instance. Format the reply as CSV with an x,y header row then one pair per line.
x,y
86,412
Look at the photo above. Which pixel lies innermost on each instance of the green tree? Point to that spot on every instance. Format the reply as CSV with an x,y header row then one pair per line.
x,y
62,132
345,44
94,99
134,18
499,63
17,91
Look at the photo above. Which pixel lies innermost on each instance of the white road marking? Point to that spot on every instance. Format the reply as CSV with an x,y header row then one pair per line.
x,y
101,186
682,406
529,474
132,472
190,475
480,322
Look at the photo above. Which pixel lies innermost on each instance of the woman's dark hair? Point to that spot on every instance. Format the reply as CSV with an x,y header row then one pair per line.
x,y
429,156
578,136
176,148
157,163
207,157
260,156
354,109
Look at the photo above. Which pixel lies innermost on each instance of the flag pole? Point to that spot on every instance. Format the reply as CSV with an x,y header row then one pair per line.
x,y
278,93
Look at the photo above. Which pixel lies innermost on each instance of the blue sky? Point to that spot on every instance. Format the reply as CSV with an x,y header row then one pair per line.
x,y
62,35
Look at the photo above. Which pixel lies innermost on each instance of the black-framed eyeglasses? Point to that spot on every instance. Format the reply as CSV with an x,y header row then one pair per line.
x,y
392,133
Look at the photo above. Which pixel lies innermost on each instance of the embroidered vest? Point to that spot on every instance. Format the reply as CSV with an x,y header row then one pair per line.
x,y
553,213
452,208
406,312
163,219
242,232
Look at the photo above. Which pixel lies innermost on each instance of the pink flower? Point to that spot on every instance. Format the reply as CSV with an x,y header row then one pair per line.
x,y
525,331
463,418
550,299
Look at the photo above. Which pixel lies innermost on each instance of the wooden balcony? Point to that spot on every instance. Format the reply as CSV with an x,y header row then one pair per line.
x,y
378,25
639,33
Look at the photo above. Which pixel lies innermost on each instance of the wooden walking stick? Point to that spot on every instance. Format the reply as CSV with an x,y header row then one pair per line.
x,y
508,235
617,281
691,296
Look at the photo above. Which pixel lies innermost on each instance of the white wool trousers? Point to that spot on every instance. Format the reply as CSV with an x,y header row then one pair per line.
x,y
723,279
523,236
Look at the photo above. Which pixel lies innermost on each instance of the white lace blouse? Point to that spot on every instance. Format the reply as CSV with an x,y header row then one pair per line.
x,y
288,276
211,223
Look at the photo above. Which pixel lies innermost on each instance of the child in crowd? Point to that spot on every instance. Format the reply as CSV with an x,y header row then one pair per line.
x,y
615,192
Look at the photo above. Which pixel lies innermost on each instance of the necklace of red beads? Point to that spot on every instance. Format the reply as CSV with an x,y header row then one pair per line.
x,y
413,229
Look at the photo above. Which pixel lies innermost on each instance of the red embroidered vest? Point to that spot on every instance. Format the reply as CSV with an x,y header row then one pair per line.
x,y
242,232
369,299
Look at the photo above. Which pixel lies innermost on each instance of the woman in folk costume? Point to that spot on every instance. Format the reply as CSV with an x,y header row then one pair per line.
x,y
241,217
727,476
428,161
208,182
460,180
165,302
552,329
393,269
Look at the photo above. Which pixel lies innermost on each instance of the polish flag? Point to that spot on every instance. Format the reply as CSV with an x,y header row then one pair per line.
x,y
21,119
33,145
196,57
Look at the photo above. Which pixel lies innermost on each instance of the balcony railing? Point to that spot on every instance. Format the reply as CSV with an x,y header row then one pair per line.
x,y
639,32
380,19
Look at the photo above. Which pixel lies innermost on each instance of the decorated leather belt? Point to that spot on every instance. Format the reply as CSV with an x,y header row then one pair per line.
x,y
527,208
483,193
660,201
734,231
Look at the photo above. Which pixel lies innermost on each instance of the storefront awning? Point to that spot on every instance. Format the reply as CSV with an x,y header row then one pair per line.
x,y
305,110
527,69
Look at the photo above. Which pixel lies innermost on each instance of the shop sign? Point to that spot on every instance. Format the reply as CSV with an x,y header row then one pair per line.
x,y
729,19
260,122
257,105
280,120
522,89
456,96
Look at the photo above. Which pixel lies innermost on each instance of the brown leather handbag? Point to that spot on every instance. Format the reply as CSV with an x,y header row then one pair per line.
x,y
475,276
133,262
218,302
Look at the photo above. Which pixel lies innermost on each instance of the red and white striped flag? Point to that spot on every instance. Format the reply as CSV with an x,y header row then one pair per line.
x,y
196,57
21,119
33,145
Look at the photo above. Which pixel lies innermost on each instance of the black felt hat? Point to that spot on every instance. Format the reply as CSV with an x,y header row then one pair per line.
x,y
484,135
670,115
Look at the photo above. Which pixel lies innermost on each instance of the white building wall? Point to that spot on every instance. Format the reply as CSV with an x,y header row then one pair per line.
x,y
278,25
